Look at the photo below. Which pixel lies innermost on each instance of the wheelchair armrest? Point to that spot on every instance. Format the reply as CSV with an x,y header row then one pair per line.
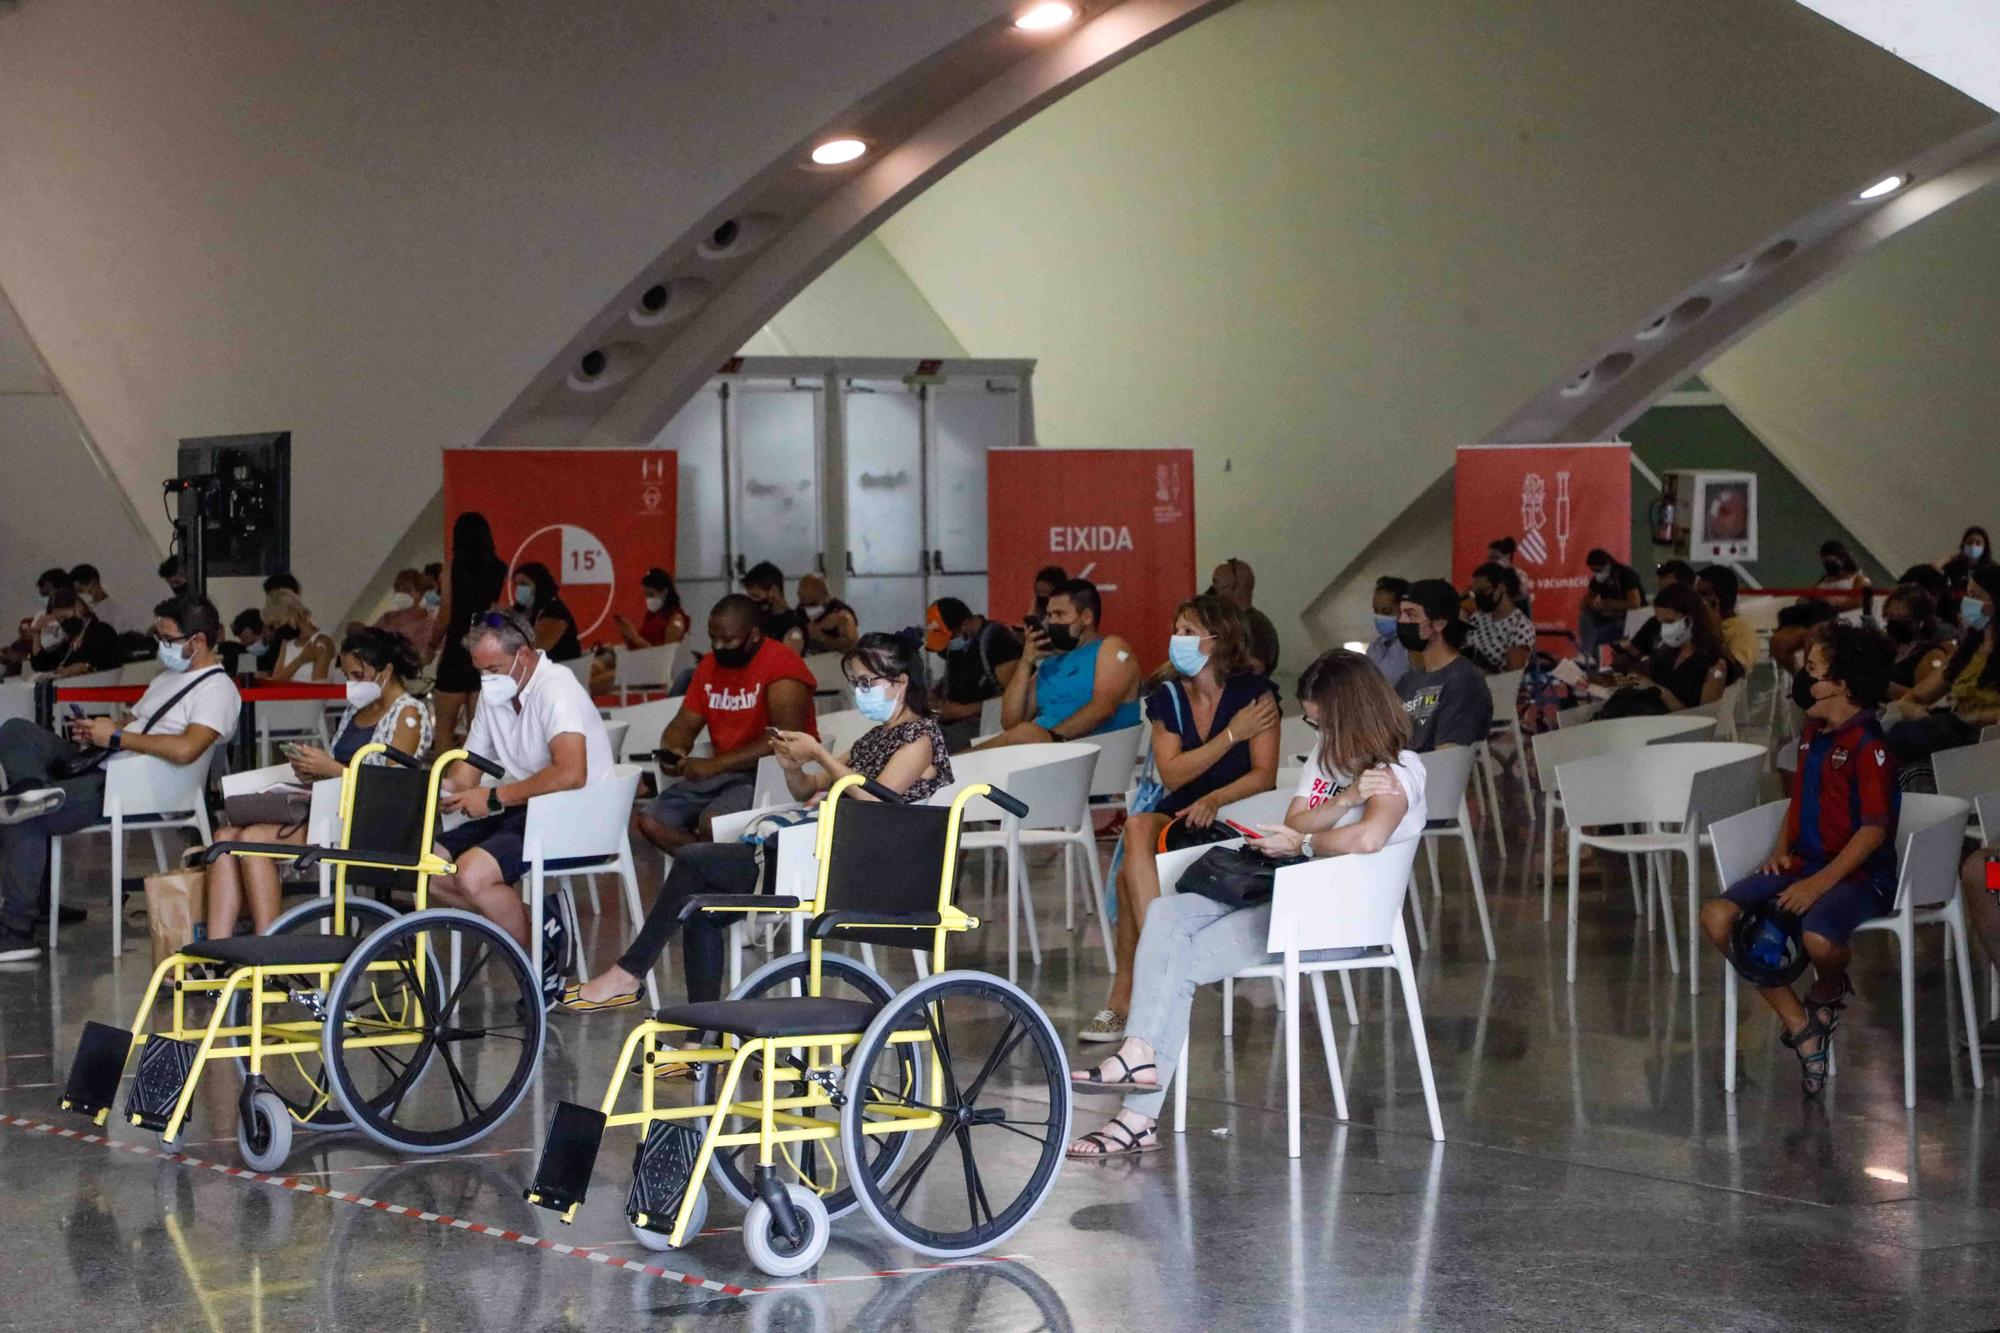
x,y
826,923
737,902
215,851
359,856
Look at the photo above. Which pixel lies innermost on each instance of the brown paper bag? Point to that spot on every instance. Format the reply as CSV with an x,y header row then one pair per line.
x,y
176,904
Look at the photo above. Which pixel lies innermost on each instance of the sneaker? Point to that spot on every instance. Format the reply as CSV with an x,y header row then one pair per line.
x,y
18,946
1108,1025
1989,1038
30,804
555,958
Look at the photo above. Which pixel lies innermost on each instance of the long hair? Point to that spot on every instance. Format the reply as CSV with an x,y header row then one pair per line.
x,y
1988,579
380,648
1707,633
1361,721
476,569
884,654
538,574
1220,616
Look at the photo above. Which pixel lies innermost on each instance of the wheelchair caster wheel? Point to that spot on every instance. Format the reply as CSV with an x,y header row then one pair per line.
x,y
264,1140
770,1251
657,1241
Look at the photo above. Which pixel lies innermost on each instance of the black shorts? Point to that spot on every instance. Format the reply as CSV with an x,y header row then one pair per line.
x,y
500,837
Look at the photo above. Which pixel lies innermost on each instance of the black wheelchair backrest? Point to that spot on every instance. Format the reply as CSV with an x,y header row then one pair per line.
x,y
388,816
886,858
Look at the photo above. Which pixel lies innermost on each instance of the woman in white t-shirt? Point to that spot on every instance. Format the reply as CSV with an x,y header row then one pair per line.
x,y
1189,941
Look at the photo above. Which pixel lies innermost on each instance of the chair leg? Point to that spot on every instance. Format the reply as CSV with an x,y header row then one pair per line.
x,y
1320,1008
566,902
1416,1012
1728,1028
55,888
1666,900
537,886
1548,852
1278,993
1347,993
1431,859
1478,885
1639,911
1694,918
1180,1090
1291,1052
1575,872
1028,907
628,883
117,887
1098,889
160,850
1416,901
1228,1007
1069,887
1954,927
1907,952
1521,769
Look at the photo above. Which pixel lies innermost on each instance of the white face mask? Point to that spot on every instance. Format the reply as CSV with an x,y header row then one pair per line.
x,y
401,601
256,648
175,656
361,693
52,635
654,603
498,688
1675,634
813,610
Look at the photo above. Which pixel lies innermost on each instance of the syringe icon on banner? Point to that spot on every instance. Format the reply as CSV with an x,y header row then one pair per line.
x,y
1562,517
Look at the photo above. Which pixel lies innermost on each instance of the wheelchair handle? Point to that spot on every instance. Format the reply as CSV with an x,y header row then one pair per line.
x,y
485,765
1013,805
401,757
882,793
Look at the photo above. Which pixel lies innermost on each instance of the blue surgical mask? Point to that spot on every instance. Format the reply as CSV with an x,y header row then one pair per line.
x,y
1385,627
1973,550
874,702
174,656
431,599
1184,651
1974,614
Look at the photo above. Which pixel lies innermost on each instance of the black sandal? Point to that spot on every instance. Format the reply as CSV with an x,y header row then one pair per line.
x,y
1093,1083
1829,1012
1813,1067
1130,1144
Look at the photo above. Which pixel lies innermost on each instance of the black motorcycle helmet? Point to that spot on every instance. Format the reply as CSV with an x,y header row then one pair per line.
x,y
1766,946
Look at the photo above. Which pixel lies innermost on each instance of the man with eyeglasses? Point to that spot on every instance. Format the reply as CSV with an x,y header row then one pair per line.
x,y
190,707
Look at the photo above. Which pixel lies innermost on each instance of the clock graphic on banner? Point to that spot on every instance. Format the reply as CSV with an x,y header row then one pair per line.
x,y
581,565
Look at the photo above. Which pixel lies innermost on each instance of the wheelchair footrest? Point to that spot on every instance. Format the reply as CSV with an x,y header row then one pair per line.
x,y
562,1177
662,1168
94,1073
164,1066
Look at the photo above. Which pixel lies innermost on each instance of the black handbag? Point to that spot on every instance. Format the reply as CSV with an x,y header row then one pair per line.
x,y
87,761
1235,876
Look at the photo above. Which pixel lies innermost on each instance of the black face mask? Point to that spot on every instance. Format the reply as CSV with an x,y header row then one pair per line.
x,y
1062,638
1832,568
73,626
1410,635
1802,694
1486,601
1903,629
735,659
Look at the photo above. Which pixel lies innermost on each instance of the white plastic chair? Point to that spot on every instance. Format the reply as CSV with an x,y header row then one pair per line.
x,y
141,791
1929,836
1296,741
1505,688
1117,766
1723,710
1334,903
644,724
1447,773
616,733
838,730
831,689
589,826
1635,620
1986,811
1969,772
290,720
644,670
580,668
1552,748
1989,733
989,716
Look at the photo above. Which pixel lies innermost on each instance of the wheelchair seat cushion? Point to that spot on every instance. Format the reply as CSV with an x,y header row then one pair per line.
x,y
780,1016
274,950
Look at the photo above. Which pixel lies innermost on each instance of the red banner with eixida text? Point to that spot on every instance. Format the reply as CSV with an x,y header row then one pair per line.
x,y
1558,502
598,519
1122,518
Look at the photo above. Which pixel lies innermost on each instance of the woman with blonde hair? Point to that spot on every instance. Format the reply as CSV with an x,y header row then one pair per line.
x,y
1361,792
1215,740
305,652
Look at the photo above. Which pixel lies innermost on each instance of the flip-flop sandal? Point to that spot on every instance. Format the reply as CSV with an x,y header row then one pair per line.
x,y
573,1002
1094,1084
1129,1144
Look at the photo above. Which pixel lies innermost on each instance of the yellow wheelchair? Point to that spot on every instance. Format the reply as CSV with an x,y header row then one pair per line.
x,y
942,1111
420,1029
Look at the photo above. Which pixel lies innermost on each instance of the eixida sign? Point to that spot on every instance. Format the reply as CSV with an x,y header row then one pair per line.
x,y
1101,537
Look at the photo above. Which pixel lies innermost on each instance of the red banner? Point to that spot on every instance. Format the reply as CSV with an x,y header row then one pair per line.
x,y
1122,518
597,518
1558,502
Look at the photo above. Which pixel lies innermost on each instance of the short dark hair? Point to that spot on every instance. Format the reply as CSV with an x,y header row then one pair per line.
x,y
1053,575
1438,600
1723,579
952,612
1596,556
286,582
764,574
83,573
736,606
1504,545
1392,585
194,615
1501,577
55,578
63,599
884,654
1930,578
1835,549
1918,601
1676,569
1805,613
252,620
657,579
1859,657
1083,595
169,567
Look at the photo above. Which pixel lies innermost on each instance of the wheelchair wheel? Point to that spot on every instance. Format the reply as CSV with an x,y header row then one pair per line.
x,y
817,1164
264,1139
441,991
770,1251
976,1179
298,1080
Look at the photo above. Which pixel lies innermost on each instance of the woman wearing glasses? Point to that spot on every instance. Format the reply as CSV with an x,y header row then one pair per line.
x,y
905,752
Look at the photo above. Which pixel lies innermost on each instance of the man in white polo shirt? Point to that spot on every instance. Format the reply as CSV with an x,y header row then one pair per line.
x,y
537,722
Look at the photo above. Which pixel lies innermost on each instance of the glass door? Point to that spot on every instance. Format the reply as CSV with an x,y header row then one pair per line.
x,y
774,434
886,555
962,421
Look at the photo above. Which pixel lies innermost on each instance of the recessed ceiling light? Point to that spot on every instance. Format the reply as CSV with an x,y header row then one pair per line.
x,y
836,151
1042,17
1887,185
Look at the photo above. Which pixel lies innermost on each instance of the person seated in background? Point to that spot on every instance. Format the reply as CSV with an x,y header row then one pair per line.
x,y
1047,579
1968,686
1235,580
539,600
1074,680
1501,551
1975,548
1499,636
1614,589
831,626
1691,667
1923,645
1362,791
1215,740
980,657
781,622
1717,587
1839,573
189,707
1445,695
248,645
1944,599
1982,916
1633,653
72,641
1386,649
536,722
302,650
108,609
1835,863
666,621
407,615
285,582
904,752
171,575
1796,624
745,686
28,635
379,665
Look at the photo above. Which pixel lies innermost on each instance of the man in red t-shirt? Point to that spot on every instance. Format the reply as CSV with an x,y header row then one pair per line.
x,y
745,685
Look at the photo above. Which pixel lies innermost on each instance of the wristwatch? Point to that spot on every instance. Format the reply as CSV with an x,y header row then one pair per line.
x,y
493,805
117,741
1306,846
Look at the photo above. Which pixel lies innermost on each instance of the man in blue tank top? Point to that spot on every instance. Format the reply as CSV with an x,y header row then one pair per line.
x,y
1076,682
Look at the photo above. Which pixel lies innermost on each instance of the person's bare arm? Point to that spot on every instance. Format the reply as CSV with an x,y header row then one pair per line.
x,y
1017,701
1117,677
1178,767
549,632
837,633
569,769
1380,815
1866,841
1633,599
631,636
1517,657
1263,776
183,749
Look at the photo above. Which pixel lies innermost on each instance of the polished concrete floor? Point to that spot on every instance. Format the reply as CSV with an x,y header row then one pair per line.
x,y
1594,1174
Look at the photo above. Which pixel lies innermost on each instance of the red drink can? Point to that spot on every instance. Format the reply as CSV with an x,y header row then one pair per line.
x,y
1604,656
1993,872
